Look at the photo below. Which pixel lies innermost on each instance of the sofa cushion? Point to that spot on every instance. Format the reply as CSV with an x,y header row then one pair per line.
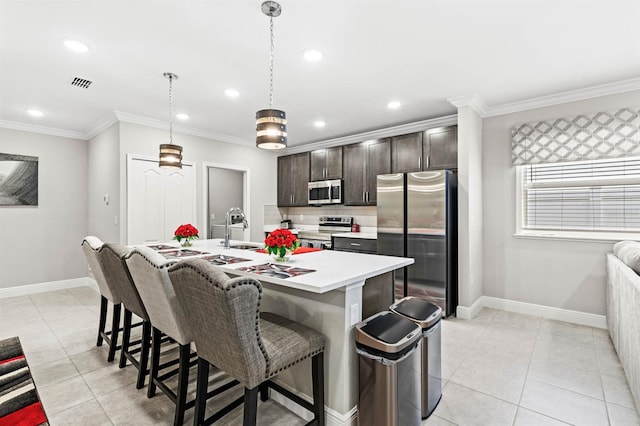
x,y
629,253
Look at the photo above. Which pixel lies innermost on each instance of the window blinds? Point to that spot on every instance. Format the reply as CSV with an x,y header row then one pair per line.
x,y
600,195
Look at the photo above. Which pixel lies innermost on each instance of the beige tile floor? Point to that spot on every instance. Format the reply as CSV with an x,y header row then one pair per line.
x,y
499,369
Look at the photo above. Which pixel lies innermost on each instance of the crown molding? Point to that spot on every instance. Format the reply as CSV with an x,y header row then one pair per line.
x,y
374,134
14,125
565,97
473,100
161,124
102,126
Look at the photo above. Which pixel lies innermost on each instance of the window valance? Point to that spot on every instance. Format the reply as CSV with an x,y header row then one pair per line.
x,y
595,136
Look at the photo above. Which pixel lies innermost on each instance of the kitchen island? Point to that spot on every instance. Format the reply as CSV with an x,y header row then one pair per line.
x,y
328,291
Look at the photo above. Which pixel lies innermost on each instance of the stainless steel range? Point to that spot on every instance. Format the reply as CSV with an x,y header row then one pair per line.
x,y
327,225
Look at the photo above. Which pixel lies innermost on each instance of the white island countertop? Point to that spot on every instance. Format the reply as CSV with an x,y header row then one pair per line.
x,y
333,269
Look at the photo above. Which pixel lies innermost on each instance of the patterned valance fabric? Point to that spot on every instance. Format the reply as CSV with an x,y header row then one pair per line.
x,y
610,134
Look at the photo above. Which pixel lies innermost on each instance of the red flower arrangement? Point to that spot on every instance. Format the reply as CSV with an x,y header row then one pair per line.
x,y
185,234
279,241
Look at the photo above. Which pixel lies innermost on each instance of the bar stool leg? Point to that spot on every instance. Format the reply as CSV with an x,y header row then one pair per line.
x,y
250,406
201,391
115,328
144,354
317,378
126,337
103,319
183,381
264,392
155,361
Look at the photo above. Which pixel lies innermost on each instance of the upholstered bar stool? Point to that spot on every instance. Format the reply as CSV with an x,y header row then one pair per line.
x,y
235,336
148,270
117,274
91,246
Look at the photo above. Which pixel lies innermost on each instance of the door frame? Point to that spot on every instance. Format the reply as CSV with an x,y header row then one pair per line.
x,y
133,157
245,194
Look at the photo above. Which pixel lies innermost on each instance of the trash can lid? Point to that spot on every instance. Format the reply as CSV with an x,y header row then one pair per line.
x,y
418,310
387,332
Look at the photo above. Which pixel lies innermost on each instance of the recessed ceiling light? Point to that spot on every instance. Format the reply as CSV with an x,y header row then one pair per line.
x,y
394,104
232,93
319,124
35,112
182,116
312,55
76,46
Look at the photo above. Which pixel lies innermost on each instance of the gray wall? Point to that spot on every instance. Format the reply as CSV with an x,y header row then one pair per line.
x,y
262,165
42,244
104,178
561,274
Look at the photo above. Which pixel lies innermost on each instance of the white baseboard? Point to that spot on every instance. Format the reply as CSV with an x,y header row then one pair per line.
x,y
333,417
24,290
468,313
567,315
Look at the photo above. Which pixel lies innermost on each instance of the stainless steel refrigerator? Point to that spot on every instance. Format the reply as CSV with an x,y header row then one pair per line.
x,y
417,218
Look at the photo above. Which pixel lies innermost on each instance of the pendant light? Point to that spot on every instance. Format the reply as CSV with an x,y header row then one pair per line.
x,y
271,124
170,154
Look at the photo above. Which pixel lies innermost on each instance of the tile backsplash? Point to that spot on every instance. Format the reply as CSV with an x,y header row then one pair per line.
x,y
365,216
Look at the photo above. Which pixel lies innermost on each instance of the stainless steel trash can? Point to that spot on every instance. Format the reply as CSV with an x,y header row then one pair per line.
x,y
427,316
389,370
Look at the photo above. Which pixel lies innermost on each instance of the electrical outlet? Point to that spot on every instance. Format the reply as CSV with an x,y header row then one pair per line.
x,y
355,313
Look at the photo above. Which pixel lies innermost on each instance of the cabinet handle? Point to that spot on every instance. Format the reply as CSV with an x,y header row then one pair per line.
x,y
367,196
355,244
428,157
363,200
420,162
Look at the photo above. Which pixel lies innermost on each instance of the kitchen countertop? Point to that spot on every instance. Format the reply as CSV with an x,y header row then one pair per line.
x,y
365,235
333,269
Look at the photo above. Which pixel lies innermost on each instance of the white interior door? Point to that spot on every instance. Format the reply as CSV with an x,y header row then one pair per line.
x,y
158,200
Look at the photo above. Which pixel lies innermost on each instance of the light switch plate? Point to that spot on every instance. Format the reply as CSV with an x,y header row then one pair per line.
x,y
355,313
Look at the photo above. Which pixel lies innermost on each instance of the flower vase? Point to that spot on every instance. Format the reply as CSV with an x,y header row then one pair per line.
x,y
278,258
186,242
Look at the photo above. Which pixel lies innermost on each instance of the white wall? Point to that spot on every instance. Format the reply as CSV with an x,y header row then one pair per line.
x,y
104,178
262,165
42,243
561,274
470,200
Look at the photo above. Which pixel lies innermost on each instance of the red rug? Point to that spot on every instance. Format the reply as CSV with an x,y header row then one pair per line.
x,y
19,402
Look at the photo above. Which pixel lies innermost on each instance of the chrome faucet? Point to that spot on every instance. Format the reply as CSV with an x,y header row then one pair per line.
x,y
234,215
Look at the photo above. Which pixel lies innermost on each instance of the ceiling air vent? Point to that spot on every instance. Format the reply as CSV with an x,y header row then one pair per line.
x,y
81,82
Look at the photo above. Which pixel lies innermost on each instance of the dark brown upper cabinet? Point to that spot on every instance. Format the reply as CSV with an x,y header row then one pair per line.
x,y
326,164
293,177
363,162
440,148
406,153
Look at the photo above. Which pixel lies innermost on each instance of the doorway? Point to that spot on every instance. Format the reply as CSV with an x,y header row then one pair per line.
x,y
226,187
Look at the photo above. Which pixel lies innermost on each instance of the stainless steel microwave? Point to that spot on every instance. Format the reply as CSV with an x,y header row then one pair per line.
x,y
325,192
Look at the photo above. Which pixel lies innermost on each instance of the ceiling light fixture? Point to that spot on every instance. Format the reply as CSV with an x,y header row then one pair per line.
x,y
271,124
76,46
394,104
35,113
232,93
170,154
320,124
312,55
182,116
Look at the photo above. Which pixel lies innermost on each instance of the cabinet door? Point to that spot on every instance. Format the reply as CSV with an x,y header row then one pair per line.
x,y
333,167
300,179
440,148
318,164
285,181
406,153
378,163
354,174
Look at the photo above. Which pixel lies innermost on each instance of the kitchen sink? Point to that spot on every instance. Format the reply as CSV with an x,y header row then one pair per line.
x,y
245,247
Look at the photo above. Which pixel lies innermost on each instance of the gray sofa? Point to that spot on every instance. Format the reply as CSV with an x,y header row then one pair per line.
x,y
623,309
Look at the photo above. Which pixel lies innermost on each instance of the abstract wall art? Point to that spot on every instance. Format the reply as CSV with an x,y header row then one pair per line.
x,y
18,180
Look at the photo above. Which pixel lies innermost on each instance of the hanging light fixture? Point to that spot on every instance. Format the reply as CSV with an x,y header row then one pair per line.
x,y
271,124
170,154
